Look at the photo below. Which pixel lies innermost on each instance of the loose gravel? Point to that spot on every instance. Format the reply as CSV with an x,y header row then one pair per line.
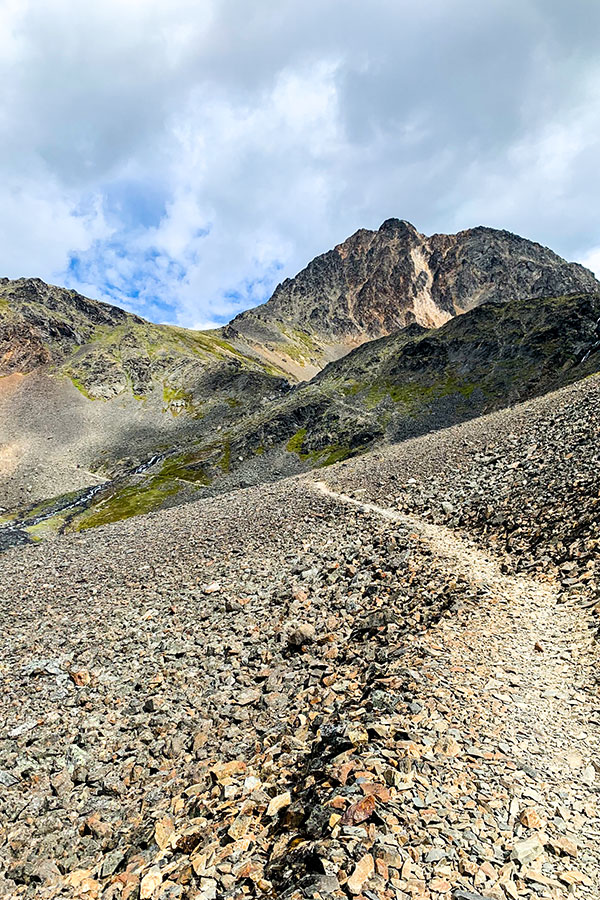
x,y
331,686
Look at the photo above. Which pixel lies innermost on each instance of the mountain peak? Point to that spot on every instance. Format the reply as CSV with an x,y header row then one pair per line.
x,y
376,282
398,225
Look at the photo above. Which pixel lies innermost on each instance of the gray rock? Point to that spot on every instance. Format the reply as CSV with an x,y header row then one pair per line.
x,y
302,634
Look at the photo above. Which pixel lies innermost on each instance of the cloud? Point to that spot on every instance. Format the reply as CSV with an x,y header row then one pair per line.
x,y
591,260
180,159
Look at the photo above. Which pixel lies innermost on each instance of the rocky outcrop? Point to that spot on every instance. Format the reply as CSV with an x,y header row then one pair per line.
x,y
379,281
21,348
105,350
41,323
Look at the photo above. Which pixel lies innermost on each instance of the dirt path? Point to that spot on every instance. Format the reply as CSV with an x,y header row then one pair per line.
x,y
523,675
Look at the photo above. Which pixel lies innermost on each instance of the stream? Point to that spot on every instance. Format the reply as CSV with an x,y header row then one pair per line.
x,y
14,533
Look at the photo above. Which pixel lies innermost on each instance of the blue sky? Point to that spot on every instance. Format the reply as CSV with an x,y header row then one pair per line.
x,y
181,158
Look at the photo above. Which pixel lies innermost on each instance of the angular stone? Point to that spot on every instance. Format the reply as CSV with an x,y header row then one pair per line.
x,y
301,634
151,881
564,845
528,850
530,818
363,870
359,811
278,803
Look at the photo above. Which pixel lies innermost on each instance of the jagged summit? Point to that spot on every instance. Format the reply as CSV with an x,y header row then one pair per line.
x,y
394,224
376,282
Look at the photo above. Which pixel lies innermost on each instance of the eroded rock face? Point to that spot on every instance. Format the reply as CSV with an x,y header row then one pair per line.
x,y
379,281
21,348
41,323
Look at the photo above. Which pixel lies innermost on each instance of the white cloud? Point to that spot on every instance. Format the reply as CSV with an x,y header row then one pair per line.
x,y
591,260
43,225
181,158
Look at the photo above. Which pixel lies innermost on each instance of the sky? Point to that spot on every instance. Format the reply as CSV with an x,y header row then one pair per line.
x,y
179,158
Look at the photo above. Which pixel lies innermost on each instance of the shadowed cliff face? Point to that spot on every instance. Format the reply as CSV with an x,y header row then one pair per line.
x,y
419,380
379,281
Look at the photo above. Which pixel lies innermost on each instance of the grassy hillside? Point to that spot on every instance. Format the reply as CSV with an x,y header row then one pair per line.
x,y
90,391
106,351
420,380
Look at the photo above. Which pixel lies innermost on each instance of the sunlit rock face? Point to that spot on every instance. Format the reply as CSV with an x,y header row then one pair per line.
x,y
376,282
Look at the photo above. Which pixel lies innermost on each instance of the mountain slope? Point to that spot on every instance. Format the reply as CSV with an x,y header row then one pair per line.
x,y
412,382
376,282
89,390
103,349
89,393
420,379
279,693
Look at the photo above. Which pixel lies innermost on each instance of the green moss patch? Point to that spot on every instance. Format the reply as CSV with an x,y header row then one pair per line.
x,y
352,388
225,461
132,500
46,529
295,443
337,454
176,399
299,346
82,388
415,394
187,467
325,456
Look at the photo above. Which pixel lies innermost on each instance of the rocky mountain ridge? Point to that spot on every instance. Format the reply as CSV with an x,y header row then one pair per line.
x,y
103,349
419,380
91,394
369,286
87,389
377,282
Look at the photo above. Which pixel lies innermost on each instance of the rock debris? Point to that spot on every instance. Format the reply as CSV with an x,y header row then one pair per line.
x,y
319,690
